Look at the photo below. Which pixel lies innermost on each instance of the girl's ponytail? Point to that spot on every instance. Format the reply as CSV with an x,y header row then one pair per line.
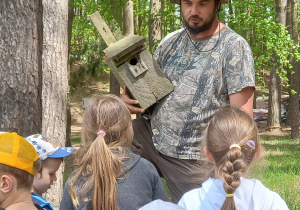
x,y
106,169
231,174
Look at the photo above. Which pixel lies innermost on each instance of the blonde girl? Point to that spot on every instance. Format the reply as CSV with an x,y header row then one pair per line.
x,y
108,175
231,143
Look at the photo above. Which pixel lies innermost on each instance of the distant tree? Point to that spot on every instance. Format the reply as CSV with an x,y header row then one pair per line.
x,y
128,18
154,24
293,111
274,102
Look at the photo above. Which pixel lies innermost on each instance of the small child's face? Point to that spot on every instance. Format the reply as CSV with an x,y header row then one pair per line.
x,y
43,181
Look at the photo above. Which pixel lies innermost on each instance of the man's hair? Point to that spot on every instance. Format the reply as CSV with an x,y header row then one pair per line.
x,y
24,179
217,4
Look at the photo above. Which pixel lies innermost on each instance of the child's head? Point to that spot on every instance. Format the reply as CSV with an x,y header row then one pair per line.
x,y
110,115
231,140
107,130
18,164
51,156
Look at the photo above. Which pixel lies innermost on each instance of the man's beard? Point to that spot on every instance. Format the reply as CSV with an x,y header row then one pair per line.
x,y
198,29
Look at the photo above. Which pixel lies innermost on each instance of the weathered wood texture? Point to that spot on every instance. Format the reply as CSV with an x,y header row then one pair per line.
x,y
102,28
148,87
134,66
20,66
55,81
109,38
122,50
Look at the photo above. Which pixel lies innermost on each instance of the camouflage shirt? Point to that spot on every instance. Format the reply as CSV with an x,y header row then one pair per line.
x,y
204,74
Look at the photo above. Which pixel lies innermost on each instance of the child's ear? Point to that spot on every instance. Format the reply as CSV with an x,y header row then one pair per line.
x,y
38,175
258,153
208,155
6,183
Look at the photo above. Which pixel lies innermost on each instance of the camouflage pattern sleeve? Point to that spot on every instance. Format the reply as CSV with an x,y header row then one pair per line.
x,y
239,68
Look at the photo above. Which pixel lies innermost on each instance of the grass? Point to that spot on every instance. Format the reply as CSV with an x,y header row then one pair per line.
x,y
279,170
76,139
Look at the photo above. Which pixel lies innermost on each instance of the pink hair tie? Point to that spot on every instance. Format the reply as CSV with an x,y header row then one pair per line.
x,y
101,132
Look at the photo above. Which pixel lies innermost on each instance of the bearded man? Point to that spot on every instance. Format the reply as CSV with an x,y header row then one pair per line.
x,y
209,66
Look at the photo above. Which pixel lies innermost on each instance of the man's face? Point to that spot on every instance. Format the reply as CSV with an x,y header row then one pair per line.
x,y
198,15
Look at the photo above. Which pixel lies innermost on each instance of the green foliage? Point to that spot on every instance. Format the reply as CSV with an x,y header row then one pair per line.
x,y
254,20
86,44
270,42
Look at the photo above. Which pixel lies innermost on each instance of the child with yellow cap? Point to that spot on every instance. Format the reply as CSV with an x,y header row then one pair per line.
x,y
19,162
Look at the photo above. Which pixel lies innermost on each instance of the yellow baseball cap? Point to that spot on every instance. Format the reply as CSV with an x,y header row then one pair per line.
x,y
17,152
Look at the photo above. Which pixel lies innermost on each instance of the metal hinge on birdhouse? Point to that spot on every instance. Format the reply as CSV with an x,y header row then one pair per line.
x,y
133,65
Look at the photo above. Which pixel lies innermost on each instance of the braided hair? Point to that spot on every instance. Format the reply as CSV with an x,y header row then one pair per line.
x,y
232,139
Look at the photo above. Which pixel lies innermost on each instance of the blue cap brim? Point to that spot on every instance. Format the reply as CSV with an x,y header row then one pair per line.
x,y
61,152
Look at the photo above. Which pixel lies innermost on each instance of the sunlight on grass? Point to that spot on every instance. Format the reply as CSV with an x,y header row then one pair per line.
x,y
279,168
76,139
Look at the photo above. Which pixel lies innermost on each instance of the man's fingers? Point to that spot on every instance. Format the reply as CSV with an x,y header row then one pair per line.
x,y
134,109
130,103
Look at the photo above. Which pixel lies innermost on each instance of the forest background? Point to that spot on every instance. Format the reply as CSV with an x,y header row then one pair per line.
x,y
46,45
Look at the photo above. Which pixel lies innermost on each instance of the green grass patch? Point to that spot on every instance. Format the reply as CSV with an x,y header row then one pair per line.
x,y
166,187
76,139
279,169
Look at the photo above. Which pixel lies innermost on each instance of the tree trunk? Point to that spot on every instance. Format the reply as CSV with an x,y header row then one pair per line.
x,y
55,82
162,18
274,102
69,117
128,18
20,66
293,111
154,24
128,29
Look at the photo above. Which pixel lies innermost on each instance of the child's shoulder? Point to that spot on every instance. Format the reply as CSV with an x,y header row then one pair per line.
x,y
39,201
254,192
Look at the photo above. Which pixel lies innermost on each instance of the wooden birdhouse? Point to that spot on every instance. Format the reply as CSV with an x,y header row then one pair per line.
x,y
133,65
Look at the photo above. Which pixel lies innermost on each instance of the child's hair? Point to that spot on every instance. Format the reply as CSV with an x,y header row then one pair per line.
x,y
232,139
24,179
107,128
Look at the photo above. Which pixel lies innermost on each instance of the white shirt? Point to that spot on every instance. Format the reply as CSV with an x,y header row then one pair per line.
x,y
250,195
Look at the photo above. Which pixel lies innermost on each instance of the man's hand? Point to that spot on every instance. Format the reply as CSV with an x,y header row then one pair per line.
x,y
130,103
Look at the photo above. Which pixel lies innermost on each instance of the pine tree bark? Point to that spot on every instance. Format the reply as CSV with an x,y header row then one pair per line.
x,y
154,24
20,66
274,102
55,82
